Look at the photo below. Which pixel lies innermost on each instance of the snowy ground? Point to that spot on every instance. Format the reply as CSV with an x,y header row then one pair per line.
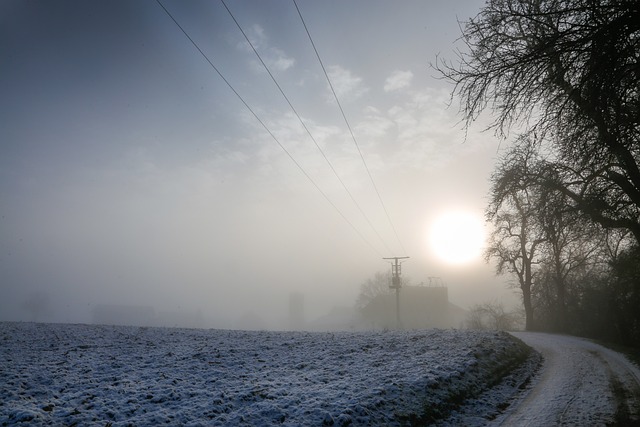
x,y
53,374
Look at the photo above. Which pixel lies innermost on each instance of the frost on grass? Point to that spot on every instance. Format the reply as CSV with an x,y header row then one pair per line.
x,y
118,376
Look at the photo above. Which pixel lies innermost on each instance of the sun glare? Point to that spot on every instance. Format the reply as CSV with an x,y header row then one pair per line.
x,y
457,237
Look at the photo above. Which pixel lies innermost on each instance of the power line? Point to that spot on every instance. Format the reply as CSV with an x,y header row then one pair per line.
x,y
305,127
266,128
349,127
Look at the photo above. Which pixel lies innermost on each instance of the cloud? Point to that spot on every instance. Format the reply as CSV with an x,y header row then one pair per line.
x,y
279,60
428,134
373,124
398,80
275,58
259,37
345,83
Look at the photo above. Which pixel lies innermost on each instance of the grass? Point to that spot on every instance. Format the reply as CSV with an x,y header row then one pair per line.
x,y
632,353
497,372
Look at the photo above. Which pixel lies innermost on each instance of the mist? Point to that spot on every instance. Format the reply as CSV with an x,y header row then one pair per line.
x,y
132,178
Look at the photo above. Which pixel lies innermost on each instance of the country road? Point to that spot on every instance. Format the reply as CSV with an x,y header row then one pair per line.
x,y
580,384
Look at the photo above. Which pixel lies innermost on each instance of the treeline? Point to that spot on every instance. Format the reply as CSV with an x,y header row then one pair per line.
x,y
576,276
565,196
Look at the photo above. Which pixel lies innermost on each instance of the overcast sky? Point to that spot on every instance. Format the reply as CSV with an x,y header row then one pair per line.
x,y
130,173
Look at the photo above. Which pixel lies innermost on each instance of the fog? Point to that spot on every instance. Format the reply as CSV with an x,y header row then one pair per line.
x,y
132,178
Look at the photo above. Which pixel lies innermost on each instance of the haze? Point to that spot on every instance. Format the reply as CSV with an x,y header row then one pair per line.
x,y
131,174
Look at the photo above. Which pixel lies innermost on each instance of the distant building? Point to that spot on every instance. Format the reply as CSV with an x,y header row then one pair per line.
x,y
421,307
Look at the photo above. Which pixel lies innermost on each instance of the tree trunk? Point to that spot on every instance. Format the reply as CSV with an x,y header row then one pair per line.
x,y
528,308
525,285
561,292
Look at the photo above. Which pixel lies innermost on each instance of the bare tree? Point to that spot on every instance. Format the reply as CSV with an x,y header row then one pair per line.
x,y
570,72
539,236
475,318
572,244
513,206
491,315
379,284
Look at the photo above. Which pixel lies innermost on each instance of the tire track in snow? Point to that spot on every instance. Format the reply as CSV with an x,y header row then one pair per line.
x,y
625,385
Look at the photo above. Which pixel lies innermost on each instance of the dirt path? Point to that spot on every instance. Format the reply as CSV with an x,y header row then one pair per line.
x,y
580,383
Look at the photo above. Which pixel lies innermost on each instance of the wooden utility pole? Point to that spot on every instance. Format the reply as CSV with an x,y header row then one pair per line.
x,y
396,271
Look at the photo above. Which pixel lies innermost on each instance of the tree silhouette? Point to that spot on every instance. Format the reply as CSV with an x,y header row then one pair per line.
x,y
515,239
374,286
570,72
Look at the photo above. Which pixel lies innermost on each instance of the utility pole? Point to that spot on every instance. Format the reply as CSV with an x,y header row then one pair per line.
x,y
396,271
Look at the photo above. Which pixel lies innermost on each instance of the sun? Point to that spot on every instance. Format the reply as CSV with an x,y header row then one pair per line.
x,y
457,237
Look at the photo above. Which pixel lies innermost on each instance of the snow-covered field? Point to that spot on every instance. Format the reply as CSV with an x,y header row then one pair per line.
x,y
55,374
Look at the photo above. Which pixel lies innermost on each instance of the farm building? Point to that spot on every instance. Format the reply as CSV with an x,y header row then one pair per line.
x,y
420,307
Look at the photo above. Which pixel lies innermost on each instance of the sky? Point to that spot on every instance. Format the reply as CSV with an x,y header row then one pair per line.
x,y
131,173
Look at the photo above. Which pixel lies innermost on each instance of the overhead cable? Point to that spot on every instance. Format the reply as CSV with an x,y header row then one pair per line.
x,y
266,128
306,128
349,127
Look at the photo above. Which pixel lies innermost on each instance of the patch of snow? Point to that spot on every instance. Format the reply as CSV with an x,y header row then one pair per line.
x,y
54,374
